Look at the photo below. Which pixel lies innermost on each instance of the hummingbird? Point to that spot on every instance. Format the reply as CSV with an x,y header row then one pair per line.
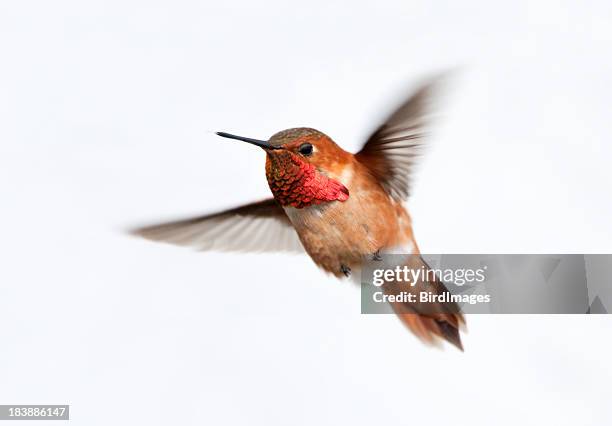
x,y
342,209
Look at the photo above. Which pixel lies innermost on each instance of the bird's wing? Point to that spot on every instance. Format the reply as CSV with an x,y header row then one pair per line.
x,y
256,227
392,149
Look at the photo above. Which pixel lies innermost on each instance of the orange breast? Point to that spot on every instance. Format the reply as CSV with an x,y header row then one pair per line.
x,y
336,234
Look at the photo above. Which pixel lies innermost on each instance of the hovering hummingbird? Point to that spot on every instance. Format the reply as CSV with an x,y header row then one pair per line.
x,y
342,209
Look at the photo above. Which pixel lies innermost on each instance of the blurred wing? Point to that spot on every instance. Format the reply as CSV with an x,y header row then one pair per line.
x,y
391,150
257,227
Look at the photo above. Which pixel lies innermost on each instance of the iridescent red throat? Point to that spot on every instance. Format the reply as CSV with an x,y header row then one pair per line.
x,y
296,183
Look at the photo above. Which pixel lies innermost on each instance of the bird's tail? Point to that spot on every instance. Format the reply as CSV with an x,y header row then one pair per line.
x,y
430,329
430,320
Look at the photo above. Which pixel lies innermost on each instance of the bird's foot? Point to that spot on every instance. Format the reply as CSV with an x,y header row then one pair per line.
x,y
345,270
376,256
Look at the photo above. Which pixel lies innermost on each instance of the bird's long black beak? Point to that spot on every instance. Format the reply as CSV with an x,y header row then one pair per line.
x,y
259,143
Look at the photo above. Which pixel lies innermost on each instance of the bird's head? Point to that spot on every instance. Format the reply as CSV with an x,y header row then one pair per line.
x,y
303,166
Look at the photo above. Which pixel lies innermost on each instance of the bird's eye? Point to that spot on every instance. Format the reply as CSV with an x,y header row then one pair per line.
x,y
305,149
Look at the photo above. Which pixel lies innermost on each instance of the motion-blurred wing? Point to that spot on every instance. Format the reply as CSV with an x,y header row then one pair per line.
x,y
391,150
257,227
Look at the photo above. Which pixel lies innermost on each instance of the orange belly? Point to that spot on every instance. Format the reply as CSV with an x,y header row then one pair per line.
x,y
346,233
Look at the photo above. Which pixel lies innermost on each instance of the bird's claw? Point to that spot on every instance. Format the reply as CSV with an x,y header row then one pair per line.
x,y
345,270
376,256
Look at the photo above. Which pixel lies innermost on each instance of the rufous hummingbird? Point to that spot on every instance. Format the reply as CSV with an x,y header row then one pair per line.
x,y
341,208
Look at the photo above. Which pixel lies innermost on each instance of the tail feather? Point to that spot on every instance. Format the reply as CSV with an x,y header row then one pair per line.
x,y
431,321
450,333
431,330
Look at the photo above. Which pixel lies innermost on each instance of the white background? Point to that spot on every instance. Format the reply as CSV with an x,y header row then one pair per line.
x,y
107,110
